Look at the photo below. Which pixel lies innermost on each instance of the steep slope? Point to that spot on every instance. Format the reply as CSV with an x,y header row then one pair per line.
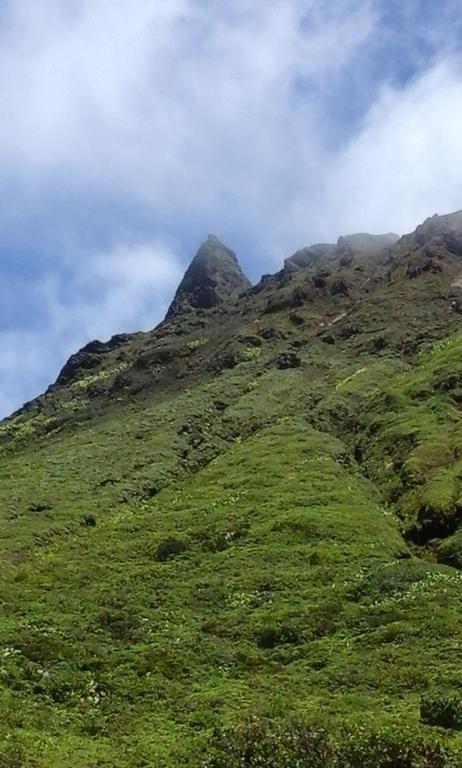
x,y
251,510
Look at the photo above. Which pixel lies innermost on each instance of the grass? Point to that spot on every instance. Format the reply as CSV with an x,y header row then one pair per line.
x,y
286,596
187,547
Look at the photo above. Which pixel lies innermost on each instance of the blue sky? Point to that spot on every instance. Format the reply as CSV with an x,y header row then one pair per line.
x,y
130,130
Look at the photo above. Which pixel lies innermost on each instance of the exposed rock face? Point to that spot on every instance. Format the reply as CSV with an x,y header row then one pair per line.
x,y
435,247
288,360
313,254
363,243
213,276
89,357
443,230
359,245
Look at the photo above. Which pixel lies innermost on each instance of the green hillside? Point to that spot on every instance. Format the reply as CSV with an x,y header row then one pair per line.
x,y
235,540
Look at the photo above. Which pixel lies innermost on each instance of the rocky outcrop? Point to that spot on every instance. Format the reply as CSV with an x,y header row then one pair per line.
x,y
213,277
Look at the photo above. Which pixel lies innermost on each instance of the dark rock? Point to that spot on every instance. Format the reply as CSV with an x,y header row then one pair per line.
x,y
347,259
448,227
288,360
160,356
250,339
296,319
214,276
347,331
39,506
379,343
84,360
339,287
320,278
451,382
118,340
88,521
269,333
297,297
106,481
420,263
264,282
224,362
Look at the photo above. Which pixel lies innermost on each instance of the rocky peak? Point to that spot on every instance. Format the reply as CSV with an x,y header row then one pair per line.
x,y
213,276
442,230
363,243
311,255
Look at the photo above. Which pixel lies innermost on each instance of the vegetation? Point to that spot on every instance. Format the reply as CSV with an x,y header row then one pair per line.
x,y
235,541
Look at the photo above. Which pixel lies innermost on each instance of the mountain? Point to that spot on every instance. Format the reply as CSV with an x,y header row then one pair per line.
x,y
251,514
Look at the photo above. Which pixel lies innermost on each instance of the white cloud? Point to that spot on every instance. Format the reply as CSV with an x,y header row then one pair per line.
x,y
210,117
189,107
125,290
406,162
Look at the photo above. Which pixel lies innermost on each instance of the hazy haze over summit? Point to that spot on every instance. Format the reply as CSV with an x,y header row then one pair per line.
x,y
130,130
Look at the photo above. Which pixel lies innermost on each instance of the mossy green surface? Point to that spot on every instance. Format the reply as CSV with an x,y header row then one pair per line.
x,y
192,536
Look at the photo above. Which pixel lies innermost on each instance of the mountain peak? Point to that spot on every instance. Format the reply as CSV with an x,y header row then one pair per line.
x,y
213,276
363,242
440,226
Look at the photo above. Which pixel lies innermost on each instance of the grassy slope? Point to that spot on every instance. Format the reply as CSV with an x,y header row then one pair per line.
x,y
127,642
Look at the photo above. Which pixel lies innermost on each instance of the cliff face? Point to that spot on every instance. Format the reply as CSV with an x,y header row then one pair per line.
x,y
213,277
256,502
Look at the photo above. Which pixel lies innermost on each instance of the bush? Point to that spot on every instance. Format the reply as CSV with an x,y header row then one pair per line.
x,y
445,711
170,547
272,635
258,744
389,748
450,551
295,745
121,622
12,756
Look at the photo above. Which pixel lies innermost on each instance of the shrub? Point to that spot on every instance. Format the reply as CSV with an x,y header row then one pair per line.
x,y
295,745
445,711
389,748
121,622
12,756
271,635
194,344
258,744
252,353
450,551
170,547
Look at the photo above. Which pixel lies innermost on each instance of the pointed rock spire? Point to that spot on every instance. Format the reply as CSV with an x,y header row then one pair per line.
x,y
213,277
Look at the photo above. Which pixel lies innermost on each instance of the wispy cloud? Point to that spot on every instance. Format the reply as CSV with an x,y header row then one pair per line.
x,y
404,164
125,290
272,124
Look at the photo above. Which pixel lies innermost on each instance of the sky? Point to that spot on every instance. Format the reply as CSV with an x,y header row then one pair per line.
x,y
131,129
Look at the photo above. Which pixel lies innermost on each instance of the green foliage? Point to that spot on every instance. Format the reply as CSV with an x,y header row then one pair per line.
x,y
20,429
169,548
194,344
445,711
85,383
266,744
251,353
215,541
450,551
